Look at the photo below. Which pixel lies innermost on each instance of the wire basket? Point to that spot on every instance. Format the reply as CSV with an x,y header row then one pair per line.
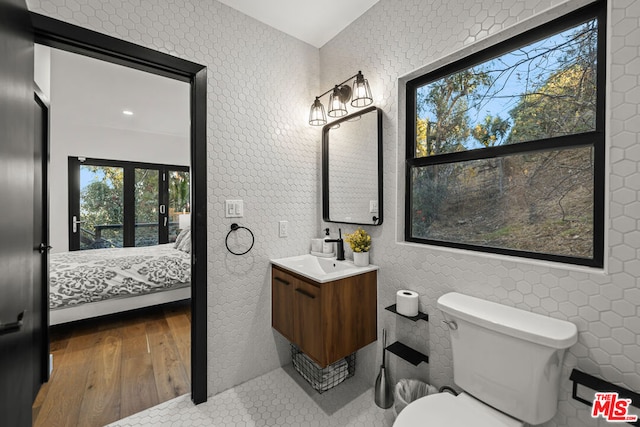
x,y
323,379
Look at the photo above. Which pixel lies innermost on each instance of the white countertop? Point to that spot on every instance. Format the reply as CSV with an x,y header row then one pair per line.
x,y
320,269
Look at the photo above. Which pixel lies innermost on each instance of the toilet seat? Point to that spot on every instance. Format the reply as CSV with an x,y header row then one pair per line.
x,y
447,410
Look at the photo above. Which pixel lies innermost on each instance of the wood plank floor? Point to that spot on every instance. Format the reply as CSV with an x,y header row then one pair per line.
x,y
109,368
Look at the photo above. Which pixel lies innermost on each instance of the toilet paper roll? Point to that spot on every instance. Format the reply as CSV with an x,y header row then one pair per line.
x,y
407,303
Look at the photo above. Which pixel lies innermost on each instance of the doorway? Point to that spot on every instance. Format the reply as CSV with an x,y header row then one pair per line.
x,y
57,34
127,208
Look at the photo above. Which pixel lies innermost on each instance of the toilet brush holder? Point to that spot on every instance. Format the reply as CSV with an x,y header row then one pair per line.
x,y
383,393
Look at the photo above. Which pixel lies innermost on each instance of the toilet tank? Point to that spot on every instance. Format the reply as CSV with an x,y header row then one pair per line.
x,y
508,358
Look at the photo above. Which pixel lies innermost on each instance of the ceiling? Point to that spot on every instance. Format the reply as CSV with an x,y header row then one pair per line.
x,y
97,92
92,92
314,22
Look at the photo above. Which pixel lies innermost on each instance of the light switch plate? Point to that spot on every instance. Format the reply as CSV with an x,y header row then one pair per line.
x,y
283,229
233,208
373,206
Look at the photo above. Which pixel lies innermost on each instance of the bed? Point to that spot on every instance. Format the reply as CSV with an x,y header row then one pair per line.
x,y
96,282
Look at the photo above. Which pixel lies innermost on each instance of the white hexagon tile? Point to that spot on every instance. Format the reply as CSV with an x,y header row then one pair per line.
x,y
278,398
261,84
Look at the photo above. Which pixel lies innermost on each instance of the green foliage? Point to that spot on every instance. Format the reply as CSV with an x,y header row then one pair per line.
x,y
448,98
179,191
146,196
565,103
102,203
491,132
102,200
559,98
429,191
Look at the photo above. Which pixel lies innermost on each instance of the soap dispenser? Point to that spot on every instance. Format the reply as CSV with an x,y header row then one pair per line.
x,y
327,247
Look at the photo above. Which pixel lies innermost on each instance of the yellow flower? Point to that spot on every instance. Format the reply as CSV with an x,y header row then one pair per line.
x,y
359,240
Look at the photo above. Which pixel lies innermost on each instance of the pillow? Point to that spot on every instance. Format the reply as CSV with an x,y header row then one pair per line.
x,y
185,242
181,237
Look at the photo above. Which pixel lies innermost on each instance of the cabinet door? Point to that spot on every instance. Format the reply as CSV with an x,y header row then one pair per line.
x,y
308,325
282,303
350,314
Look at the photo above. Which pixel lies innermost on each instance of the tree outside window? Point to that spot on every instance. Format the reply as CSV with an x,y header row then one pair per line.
x,y
503,152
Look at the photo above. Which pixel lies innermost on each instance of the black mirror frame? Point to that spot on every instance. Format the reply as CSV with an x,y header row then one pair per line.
x,y
377,218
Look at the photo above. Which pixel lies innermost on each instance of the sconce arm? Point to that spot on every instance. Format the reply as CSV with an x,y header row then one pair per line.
x,y
339,84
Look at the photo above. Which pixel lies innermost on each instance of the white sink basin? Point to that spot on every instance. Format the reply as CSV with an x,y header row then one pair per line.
x,y
321,269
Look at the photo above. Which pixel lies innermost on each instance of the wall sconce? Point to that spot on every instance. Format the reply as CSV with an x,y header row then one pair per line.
x,y
340,95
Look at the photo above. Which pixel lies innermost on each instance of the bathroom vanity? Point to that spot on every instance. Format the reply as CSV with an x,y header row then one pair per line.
x,y
327,308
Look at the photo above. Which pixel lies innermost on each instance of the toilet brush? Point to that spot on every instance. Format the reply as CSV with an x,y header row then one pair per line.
x,y
383,394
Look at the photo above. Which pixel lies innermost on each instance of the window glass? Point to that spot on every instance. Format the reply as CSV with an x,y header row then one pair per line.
x,y
101,207
505,148
542,90
115,203
179,197
147,194
509,202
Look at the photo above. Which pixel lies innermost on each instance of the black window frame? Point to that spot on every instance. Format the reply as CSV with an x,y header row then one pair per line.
x,y
129,220
595,139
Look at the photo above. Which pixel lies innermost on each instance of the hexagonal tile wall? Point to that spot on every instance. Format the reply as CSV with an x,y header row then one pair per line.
x,y
392,41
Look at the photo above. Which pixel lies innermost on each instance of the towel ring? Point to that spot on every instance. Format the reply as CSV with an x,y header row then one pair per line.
x,y
235,227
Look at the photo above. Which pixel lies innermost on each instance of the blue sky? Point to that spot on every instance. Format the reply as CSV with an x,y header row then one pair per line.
x,y
522,64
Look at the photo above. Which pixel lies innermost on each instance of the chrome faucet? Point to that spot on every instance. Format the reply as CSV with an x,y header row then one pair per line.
x,y
339,246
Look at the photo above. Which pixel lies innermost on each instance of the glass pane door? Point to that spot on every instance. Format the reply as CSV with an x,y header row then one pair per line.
x,y
147,205
101,207
179,200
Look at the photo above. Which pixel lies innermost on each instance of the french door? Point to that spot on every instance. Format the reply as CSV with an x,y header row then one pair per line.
x,y
115,204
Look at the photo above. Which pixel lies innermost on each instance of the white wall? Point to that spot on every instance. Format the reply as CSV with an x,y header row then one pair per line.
x,y
79,133
42,69
260,148
396,38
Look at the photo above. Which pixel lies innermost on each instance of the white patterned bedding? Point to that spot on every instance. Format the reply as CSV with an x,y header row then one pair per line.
x,y
95,275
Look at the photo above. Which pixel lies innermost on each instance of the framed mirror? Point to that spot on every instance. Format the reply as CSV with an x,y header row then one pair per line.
x,y
352,169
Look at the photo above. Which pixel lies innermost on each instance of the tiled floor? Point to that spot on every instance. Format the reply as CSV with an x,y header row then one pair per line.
x,y
278,398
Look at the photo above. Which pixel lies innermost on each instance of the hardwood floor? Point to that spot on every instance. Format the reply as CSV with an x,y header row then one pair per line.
x,y
107,369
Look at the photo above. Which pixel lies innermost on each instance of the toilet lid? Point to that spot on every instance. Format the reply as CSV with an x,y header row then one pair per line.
x,y
445,409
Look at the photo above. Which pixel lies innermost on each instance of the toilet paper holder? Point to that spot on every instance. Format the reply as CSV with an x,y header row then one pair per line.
x,y
420,316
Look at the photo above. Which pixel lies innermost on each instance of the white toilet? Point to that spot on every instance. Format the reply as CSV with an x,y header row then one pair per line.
x,y
508,362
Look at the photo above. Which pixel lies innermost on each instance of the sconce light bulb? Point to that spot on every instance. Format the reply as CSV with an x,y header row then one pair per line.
x,y
317,116
361,92
337,107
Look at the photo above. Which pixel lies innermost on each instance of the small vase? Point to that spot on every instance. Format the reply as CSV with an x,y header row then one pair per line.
x,y
361,259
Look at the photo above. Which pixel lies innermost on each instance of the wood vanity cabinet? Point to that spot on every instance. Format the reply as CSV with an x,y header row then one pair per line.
x,y
327,321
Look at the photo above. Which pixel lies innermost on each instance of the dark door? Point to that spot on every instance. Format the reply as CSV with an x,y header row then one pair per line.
x,y
41,237
19,369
